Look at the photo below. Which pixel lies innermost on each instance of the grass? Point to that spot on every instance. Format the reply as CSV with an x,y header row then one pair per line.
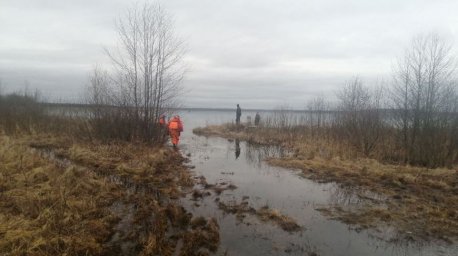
x,y
69,187
264,213
286,223
63,196
47,210
419,201
268,136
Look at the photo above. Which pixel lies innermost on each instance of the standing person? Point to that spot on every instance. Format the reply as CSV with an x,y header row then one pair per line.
x,y
162,121
175,128
238,114
162,128
257,118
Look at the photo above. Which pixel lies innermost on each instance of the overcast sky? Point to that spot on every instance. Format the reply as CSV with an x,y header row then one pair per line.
x,y
259,53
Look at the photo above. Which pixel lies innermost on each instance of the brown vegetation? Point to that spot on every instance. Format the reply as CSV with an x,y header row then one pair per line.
x,y
47,210
406,150
127,102
66,190
63,197
418,200
85,180
415,123
264,214
252,135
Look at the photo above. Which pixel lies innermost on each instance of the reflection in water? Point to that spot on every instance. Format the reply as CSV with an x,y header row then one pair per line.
x,y
352,196
237,148
260,184
255,154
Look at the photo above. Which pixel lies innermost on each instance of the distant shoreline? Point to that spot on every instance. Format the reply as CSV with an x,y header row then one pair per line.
x,y
77,105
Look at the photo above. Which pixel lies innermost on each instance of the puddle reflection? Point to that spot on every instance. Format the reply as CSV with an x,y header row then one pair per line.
x,y
352,196
256,154
237,148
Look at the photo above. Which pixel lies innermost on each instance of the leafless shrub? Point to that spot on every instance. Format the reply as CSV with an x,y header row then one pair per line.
x,y
281,118
20,112
145,81
424,97
318,109
360,119
419,128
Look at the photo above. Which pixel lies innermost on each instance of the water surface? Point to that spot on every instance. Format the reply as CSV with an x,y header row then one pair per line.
x,y
228,161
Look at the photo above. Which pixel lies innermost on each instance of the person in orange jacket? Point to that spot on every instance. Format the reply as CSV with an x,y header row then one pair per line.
x,y
162,128
162,121
175,128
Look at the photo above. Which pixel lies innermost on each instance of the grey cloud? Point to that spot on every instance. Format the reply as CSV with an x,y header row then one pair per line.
x,y
260,53
270,91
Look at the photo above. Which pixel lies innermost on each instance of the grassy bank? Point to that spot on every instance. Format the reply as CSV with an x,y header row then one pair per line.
x,y
87,182
60,196
419,203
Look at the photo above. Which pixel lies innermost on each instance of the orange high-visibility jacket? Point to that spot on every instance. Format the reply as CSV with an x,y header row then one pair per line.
x,y
162,120
175,124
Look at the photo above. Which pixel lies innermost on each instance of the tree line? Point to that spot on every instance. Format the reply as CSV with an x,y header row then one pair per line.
x,y
423,104
412,120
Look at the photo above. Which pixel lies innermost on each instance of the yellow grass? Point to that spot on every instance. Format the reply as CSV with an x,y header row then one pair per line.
x,y
264,214
56,199
46,210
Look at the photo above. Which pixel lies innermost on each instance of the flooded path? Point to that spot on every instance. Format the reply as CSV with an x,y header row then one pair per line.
x,y
259,185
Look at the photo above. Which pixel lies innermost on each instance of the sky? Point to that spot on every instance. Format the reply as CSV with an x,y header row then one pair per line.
x,y
258,53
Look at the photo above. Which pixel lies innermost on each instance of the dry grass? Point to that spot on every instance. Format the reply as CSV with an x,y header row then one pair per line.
x,y
266,136
58,197
420,201
46,210
202,239
66,188
264,214
285,222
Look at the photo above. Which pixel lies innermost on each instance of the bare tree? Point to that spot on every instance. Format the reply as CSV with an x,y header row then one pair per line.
x,y
317,108
423,95
147,68
360,116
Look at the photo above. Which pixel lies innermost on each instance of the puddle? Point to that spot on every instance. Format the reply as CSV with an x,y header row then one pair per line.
x,y
260,185
120,239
